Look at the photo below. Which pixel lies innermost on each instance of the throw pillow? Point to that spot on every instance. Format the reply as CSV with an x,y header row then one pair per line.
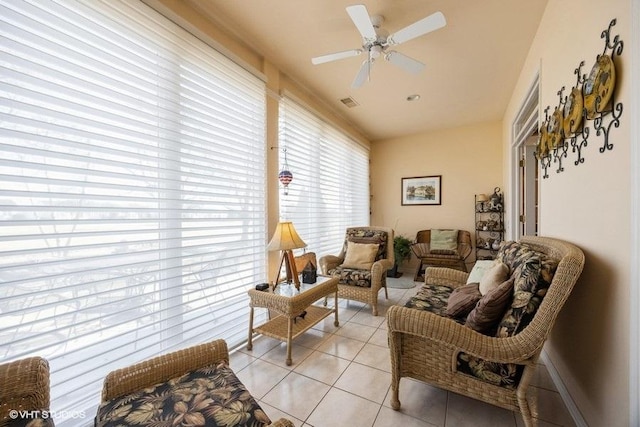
x,y
493,277
462,300
478,270
533,277
444,242
490,309
360,256
360,235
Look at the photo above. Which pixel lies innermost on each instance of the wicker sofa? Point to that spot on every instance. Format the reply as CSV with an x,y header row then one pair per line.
x,y
24,393
194,386
362,285
494,367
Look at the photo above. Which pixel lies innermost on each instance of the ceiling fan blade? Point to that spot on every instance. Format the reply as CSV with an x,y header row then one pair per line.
x,y
363,74
417,29
403,61
360,18
335,56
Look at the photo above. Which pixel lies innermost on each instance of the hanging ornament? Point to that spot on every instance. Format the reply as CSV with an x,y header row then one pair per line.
x,y
285,176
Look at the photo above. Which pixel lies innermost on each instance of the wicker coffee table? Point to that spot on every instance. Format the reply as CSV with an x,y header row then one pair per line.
x,y
289,303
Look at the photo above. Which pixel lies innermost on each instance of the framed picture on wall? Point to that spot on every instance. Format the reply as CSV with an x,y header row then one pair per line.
x,y
422,190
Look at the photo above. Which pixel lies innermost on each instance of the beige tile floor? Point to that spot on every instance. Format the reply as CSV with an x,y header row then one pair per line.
x,y
341,377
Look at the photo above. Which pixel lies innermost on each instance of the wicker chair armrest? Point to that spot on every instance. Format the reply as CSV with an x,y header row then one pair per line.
x,y
24,385
446,331
329,262
464,250
445,276
380,267
162,368
420,249
282,422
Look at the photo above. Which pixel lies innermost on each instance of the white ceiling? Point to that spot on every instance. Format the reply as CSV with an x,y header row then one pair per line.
x,y
471,64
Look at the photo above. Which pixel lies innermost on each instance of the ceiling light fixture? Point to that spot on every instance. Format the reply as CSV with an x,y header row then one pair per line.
x,y
413,97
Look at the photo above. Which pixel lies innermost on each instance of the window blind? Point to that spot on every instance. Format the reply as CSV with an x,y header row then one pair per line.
x,y
132,191
330,187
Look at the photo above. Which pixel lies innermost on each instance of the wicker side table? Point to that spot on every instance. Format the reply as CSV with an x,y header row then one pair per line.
x,y
290,302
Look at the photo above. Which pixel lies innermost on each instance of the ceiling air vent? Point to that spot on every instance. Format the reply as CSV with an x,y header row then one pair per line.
x,y
349,102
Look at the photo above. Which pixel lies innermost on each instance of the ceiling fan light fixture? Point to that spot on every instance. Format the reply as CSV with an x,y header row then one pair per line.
x,y
376,41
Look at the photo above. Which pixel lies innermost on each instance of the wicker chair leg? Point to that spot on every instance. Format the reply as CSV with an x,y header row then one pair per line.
x,y
393,341
395,388
525,411
418,274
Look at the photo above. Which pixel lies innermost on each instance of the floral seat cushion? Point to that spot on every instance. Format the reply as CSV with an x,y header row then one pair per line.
x,y
500,374
30,421
211,396
353,277
432,298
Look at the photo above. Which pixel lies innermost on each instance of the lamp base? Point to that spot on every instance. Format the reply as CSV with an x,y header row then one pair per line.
x,y
292,272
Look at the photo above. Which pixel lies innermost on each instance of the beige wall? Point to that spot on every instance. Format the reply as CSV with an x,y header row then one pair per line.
x,y
469,160
588,205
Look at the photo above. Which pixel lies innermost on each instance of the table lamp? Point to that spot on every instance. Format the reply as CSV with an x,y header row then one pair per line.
x,y
286,239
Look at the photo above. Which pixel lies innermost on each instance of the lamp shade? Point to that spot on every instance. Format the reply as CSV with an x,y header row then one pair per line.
x,y
483,198
285,238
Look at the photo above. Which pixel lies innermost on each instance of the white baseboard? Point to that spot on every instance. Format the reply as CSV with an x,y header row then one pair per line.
x,y
562,390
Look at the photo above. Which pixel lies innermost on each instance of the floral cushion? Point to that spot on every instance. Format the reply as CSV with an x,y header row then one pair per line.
x,y
29,421
210,396
533,272
433,298
500,374
349,276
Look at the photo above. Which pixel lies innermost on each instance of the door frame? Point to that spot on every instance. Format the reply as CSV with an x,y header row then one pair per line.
x,y
634,285
523,126
529,200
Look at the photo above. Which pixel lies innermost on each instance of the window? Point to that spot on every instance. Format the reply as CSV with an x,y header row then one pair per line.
x,y
132,185
330,187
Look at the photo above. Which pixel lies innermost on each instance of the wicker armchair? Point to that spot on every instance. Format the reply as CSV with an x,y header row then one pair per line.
x,y
423,252
362,285
165,376
24,386
426,346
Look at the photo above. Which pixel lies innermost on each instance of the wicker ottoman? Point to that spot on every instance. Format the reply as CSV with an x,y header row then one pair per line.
x,y
194,386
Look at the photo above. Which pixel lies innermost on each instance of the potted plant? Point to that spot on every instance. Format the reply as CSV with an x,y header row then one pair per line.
x,y
401,252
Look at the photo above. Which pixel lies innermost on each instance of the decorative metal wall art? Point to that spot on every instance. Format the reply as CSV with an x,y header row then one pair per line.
x,y
591,100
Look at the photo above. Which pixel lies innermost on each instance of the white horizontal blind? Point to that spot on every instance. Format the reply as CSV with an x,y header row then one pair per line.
x,y
132,191
330,187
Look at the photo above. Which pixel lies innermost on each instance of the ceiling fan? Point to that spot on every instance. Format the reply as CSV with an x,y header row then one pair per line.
x,y
376,42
